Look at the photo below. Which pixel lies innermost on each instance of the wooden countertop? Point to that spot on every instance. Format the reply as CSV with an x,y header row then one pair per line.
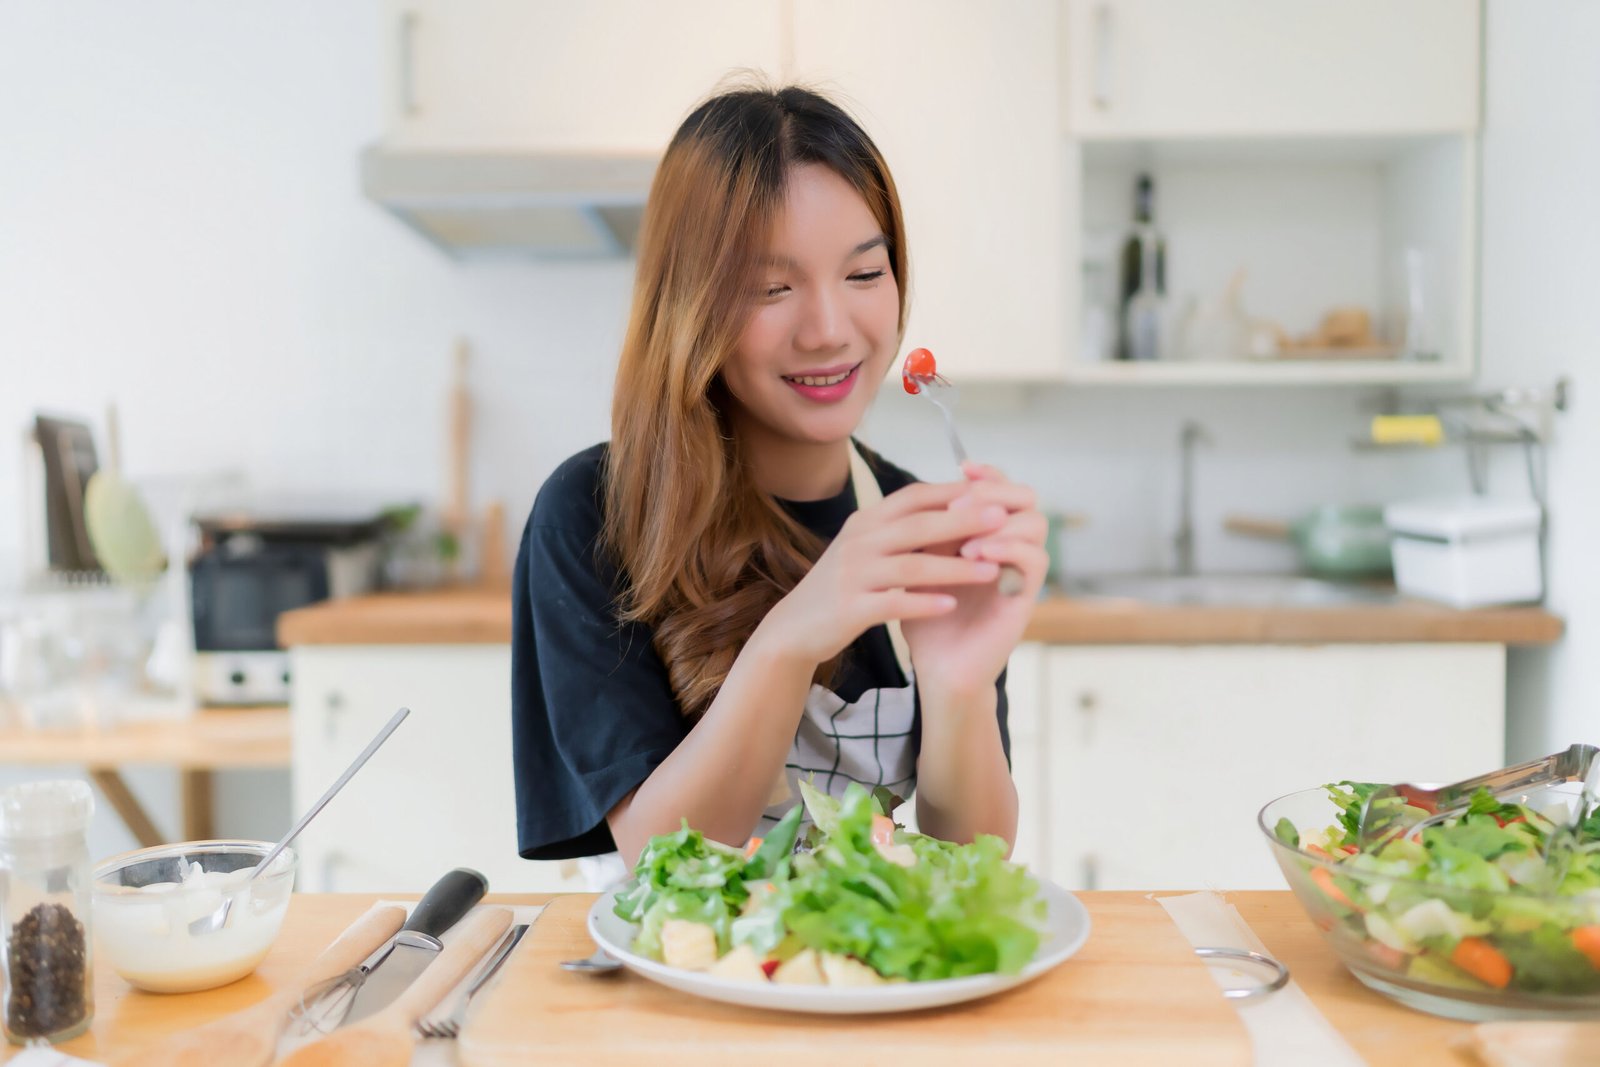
x,y
209,739
1122,967
483,616
462,616
1063,621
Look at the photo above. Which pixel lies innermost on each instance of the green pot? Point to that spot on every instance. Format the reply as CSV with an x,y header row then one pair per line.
x,y
1343,541
1334,541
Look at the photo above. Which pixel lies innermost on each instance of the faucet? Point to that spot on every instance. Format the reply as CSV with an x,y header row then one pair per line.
x,y
1191,435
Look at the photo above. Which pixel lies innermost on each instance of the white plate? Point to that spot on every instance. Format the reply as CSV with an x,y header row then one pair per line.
x,y
1066,929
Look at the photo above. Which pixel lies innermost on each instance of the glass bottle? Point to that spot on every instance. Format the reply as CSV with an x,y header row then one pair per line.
x,y
1143,248
1144,319
46,952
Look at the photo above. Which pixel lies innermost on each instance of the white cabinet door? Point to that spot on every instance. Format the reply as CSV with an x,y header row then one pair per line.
x,y
1162,757
1177,68
601,75
1030,753
961,99
437,795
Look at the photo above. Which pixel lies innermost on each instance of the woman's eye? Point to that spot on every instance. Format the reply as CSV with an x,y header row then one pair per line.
x,y
777,289
867,276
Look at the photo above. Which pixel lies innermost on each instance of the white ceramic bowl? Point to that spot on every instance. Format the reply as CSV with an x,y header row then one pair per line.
x,y
145,900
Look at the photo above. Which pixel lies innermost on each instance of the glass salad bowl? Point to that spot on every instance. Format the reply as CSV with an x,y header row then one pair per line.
x,y
1450,923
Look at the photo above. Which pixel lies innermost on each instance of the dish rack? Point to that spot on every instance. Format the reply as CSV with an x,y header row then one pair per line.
x,y
1518,415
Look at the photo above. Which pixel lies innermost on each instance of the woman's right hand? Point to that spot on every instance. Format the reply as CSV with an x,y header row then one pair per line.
x,y
880,568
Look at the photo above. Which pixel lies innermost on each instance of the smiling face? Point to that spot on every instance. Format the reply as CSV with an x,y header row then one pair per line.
x,y
825,321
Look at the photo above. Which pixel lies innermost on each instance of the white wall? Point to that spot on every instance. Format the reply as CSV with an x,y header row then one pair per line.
x,y
181,231
1541,227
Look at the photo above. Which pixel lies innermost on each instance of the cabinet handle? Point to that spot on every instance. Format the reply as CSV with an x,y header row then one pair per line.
x,y
1104,68
1088,704
408,55
1091,872
334,702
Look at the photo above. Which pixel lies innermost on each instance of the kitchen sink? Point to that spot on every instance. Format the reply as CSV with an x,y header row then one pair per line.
x,y
1229,590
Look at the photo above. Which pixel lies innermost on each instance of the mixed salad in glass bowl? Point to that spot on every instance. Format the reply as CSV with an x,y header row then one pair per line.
x,y
860,903
1492,913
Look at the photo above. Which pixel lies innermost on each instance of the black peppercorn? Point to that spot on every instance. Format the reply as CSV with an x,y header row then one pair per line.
x,y
47,955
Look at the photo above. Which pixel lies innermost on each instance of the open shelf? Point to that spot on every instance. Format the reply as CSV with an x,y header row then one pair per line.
x,y
1263,372
1313,224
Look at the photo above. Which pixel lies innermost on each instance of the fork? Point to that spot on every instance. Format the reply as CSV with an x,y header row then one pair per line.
x,y
450,1026
1011,580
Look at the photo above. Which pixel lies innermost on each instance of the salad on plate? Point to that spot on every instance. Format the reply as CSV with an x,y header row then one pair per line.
x,y
857,902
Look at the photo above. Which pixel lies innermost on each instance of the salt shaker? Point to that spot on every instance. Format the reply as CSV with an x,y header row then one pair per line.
x,y
46,965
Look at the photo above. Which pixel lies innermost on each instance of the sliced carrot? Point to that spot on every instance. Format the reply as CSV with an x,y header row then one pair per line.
x,y
1483,961
1586,939
1320,853
1324,879
751,846
1349,850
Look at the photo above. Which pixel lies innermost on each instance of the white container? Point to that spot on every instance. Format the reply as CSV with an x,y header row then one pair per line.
x,y
1467,552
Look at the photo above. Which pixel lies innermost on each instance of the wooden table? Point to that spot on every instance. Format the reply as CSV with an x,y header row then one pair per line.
x,y
211,739
1381,1031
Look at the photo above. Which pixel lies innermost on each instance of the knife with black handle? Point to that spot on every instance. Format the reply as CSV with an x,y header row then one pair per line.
x,y
398,963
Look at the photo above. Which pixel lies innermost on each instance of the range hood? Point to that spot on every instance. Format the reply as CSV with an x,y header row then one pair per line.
x,y
545,205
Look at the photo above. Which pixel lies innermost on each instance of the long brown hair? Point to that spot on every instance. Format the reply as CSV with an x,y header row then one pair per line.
x,y
704,553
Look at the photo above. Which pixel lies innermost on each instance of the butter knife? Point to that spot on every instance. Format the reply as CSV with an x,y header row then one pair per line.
x,y
398,962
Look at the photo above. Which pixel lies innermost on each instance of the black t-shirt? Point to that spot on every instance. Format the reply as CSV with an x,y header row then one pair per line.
x,y
593,713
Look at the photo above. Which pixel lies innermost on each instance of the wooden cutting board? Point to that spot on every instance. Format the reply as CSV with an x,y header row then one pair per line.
x,y
1135,994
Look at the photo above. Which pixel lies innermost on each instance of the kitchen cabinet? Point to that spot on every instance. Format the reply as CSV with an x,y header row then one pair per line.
x,y
611,76
976,158
1160,757
1323,149
1323,154
961,99
1030,755
437,795
1227,68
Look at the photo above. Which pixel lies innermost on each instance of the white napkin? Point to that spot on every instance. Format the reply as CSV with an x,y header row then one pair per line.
x,y
1286,1029
430,1052
48,1057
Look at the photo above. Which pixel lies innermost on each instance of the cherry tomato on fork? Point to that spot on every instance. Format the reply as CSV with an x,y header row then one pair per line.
x,y
919,364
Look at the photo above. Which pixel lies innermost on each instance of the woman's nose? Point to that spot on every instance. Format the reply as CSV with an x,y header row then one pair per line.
x,y
822,322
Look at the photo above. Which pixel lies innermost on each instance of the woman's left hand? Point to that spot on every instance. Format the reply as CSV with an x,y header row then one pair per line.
x,y
963,651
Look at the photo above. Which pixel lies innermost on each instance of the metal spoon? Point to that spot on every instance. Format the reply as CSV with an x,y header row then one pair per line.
x,y
217,919
597,964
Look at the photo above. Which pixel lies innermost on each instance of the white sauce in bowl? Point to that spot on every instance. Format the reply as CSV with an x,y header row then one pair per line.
x,y
144,932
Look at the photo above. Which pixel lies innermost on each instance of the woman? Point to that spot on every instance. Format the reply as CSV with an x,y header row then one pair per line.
x,y
711,606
